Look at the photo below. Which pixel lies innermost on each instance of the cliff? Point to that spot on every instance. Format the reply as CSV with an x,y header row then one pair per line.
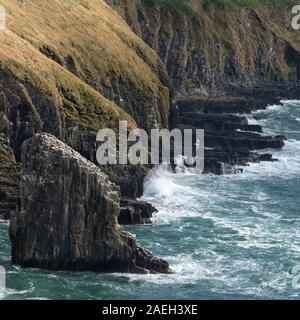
x,y
225,57
96,45
216,47
70,68
91,41
68,215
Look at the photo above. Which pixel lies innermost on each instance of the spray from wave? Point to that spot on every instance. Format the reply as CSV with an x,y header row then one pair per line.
x,y
236,233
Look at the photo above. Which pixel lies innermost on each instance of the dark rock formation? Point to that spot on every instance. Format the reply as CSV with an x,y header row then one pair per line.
x,y
68,215
24,111
129,178
229,139
135,212
9,181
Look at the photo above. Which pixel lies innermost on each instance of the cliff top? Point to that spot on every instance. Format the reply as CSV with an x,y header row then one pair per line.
x,y
49,143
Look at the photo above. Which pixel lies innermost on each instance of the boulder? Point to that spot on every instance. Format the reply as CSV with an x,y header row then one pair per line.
x,y
135,212
68,215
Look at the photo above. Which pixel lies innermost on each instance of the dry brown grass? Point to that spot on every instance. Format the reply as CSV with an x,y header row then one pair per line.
x,y
25,63
101,45
100,42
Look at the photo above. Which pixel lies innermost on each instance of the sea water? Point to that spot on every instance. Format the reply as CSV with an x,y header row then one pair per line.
x,y
225,237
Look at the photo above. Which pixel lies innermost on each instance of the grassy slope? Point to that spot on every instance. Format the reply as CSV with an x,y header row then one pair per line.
x,y
22,61
101,47
89,30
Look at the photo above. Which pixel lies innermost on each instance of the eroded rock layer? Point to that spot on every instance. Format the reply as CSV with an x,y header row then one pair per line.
x,y
230,141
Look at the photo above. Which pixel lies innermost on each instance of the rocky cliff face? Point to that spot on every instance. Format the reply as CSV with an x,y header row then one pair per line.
x,y
70,69
224,57
9,181
95,44
54,78
68,215
215,47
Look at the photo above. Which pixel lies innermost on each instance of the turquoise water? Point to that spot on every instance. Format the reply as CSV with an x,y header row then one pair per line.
x,y
228,237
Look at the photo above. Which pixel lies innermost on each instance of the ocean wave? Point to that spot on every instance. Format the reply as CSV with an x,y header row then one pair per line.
x,y
224,236
271,108
186,270
159,183
5,293
294,103
251,120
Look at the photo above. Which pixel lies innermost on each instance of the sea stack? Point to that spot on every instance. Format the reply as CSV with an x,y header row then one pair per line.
x,y
68,215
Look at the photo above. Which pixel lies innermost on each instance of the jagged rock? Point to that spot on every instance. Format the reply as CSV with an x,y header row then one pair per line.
x,y
218,122
135,212
229,139
68,215
130,178
9,181
239,100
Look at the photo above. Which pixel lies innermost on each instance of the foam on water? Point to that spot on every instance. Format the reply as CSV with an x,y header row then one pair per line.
x,y
160,183
247,213
251,120
231,236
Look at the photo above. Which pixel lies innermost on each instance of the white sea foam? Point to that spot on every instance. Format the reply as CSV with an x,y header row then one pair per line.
x,y
238,227
241,219
160,183
5,293
186,270
295,103
270,109
251,120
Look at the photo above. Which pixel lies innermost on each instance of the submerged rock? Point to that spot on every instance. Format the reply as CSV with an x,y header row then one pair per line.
x,y
68,216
